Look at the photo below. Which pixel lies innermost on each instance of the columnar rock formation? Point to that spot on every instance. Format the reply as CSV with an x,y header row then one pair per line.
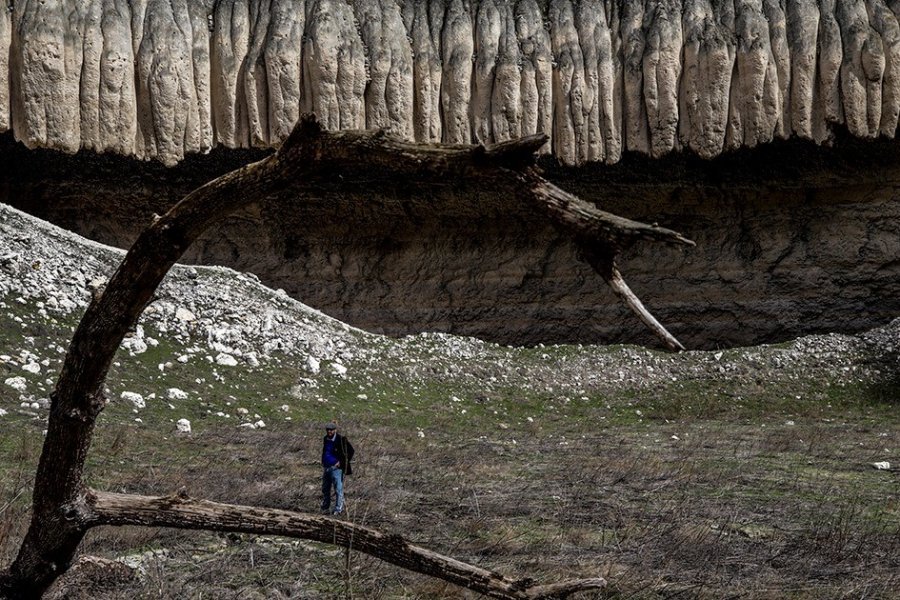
x,y
162,78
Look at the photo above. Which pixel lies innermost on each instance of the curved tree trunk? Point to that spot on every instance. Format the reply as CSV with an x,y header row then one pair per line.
x,y
64,509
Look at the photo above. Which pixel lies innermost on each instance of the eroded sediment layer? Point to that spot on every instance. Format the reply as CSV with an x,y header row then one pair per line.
x,y
163,78
791,239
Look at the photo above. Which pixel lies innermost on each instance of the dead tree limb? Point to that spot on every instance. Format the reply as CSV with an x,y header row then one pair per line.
x,y
310,156
180,511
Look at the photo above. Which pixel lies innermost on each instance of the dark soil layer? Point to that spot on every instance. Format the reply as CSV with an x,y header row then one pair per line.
x,y
791,239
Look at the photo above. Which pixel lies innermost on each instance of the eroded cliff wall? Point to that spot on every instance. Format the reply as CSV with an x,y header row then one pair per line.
x,y
164,78
792,238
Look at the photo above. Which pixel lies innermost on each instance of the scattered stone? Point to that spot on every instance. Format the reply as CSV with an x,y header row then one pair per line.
x,y
134,399
882,465
338,369
183,426
16,383
176,394
313,365
32,367
226,360
183,314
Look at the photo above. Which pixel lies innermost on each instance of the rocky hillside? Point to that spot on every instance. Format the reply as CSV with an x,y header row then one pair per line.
x,y
227,322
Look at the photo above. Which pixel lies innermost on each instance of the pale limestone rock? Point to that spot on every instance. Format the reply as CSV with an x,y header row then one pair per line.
x,y
537,69
614,18
284,66
253,75
133,398
706,79
755,95
487,47
424,23
830,56
46,56
165,88
885,23
662,67
176,394
803,33
5,39
230,42
589,146
457,51
775,15
637,136
163,78
602,138
861,69
506,102
200,12
568,83
389,93
117,108
334,72
89,81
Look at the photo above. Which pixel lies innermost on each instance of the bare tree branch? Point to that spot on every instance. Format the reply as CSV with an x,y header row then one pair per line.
x,y
308,157
178,510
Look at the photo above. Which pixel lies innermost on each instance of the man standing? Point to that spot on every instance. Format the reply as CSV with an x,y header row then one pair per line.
x,y
337,452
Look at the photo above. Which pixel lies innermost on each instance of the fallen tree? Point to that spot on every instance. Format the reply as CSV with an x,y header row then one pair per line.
x,y
64,509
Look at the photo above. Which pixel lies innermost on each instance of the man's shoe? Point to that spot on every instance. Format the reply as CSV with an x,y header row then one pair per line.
x,y
337,512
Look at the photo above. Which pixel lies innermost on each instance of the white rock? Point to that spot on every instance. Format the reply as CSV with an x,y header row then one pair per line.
x,y
182,359
247,425
176,394
338,369
16,383
183,426
882,465
3,413
285,407
183,314
226,360
242,411
260,424
134,399
251,359
312,364
32,367
134,345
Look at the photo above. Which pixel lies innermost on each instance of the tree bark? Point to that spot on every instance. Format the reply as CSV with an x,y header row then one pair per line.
x,y
309,157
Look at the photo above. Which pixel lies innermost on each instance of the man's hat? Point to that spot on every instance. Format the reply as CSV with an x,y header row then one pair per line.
x,y
331,425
